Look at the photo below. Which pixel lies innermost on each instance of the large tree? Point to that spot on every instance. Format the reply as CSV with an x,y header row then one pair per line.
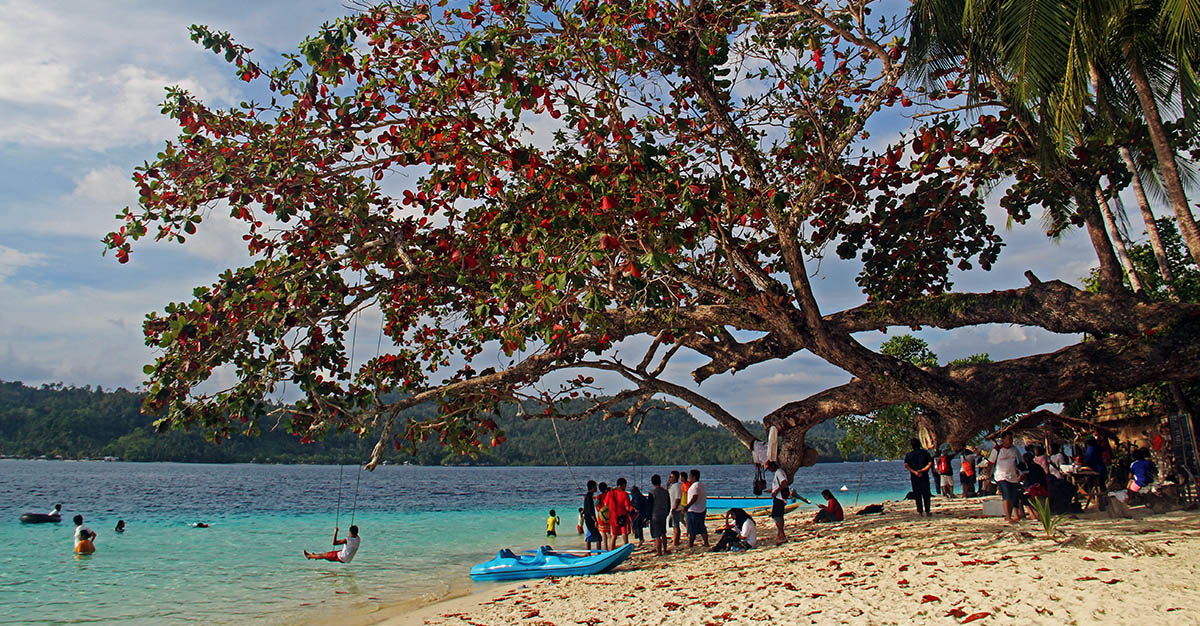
x,y
544,182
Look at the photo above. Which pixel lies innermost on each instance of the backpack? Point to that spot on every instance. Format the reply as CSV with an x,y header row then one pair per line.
x,y
943,465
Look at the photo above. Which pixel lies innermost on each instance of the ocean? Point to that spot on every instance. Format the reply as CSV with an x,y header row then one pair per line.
x,y
422,528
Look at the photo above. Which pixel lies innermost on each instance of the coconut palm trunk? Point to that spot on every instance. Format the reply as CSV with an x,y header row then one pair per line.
x,y
1156,244
1165,154
1118,242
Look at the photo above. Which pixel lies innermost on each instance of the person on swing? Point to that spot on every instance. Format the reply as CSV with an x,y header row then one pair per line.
x,y
345,555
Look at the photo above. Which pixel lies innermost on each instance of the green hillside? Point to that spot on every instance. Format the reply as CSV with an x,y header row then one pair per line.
x,y
77,422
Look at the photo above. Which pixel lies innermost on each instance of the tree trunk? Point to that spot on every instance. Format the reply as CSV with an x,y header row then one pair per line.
x,y
793,454
1165,153
1160,253
1118,242
1110,268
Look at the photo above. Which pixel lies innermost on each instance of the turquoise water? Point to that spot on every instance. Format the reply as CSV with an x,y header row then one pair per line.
x,y
422,528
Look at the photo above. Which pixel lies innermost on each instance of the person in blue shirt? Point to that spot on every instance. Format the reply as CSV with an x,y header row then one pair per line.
x,y
1141,471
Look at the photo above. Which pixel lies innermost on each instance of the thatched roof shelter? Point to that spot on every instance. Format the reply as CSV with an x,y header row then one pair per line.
x,y
1049,427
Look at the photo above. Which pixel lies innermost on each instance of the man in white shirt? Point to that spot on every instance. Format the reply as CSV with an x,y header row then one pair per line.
x,y
697,507
675,491
1008,478
56,511
345,555
780,490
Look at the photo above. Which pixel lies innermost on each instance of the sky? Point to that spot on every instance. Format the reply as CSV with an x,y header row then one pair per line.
x,y
83,82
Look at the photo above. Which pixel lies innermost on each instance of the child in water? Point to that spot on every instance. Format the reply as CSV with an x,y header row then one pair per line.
x,y
552,522
84,537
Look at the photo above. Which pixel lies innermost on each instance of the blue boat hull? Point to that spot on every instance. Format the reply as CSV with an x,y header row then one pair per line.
x,y
546,562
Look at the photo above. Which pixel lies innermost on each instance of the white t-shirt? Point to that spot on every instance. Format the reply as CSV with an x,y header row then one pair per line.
x,y
1056,463
55,512
676,492
697,497
346,554
780,478
1005,460
750,532
79,530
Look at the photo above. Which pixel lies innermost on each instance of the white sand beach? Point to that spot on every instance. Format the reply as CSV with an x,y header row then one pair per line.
x,y
893,568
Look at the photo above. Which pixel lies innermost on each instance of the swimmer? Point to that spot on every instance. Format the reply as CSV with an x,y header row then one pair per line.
x,y
120,526
199,525
349,547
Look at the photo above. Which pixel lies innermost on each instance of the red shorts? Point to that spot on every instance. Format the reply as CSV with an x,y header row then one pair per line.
x,y
330,556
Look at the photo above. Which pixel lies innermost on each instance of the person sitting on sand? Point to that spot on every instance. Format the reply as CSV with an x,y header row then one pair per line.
x,y
1141,471
84,537
740,532
349,547
120,526
831,511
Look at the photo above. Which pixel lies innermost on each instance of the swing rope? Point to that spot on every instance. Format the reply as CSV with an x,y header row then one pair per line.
x,y
338,518
861,467
354,511
554,424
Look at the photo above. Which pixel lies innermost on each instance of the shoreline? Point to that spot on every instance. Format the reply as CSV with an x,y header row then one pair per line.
x,y
889,568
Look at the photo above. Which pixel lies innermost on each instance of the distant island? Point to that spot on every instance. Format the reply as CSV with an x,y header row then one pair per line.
x,y
60,421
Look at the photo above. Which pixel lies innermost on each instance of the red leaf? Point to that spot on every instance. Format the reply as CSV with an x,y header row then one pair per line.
x,y
928,598
607,204
974,616
956,612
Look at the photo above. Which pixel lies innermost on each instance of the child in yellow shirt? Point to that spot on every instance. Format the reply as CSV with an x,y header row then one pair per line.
x,y
551,523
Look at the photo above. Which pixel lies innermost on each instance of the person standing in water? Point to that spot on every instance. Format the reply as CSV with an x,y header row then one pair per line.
x,y
84,537
552,523
120,526
345,555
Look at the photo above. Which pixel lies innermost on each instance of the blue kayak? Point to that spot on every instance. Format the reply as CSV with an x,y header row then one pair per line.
x,y
547,562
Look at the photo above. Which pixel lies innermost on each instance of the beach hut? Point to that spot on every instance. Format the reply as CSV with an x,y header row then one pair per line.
x,y
1047,427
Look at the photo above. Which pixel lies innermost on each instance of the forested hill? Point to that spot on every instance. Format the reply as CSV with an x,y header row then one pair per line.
x,y
77,422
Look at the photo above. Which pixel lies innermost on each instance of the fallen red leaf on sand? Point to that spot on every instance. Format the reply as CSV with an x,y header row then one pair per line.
x,y
1103,569
928,562
813,612
671,606
904,568
1111,582
1087,578
984,593
846,575
341,592
928,598
1088,558
532,614
974,616
902,581
956,612
1175,608
816,595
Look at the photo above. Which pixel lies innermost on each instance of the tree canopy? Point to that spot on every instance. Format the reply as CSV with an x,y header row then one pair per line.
x,y
548,181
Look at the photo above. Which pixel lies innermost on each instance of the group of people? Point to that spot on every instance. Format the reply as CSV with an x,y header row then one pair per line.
x,y
1020,478
85,538
610,515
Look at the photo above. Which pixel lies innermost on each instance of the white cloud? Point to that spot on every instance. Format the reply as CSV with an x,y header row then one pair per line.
x,y
93,78
12,260
1007,334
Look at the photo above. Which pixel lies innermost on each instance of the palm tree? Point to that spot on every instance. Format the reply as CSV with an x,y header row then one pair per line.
x,y
1048,53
